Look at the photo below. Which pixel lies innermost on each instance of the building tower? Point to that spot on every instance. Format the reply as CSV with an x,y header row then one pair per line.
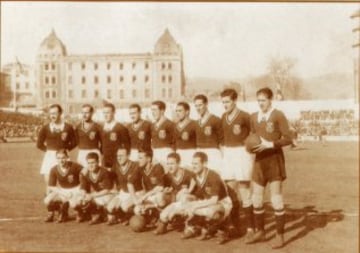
x,y
356,48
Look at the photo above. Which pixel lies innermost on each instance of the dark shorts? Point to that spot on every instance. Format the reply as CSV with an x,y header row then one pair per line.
x,y
269,168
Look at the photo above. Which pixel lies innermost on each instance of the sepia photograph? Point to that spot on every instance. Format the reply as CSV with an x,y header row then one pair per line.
x,y
179,127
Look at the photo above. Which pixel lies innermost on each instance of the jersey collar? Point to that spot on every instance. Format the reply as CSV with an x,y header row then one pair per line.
x,y
137,125
182,124
205,118
109,126
230,117
264,116
57,127
201,180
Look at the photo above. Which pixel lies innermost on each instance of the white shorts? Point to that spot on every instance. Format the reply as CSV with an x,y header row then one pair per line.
x,y
71,195
134,155
237,164
81,159
186,156
214,158
104,199
160,155
49,161
225,203
125,196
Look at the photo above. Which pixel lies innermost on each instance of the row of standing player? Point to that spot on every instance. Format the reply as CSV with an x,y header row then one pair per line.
x,y
221,139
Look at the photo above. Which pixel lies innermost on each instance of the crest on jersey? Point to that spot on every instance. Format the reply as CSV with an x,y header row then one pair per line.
x,y
113,136
185,136
92,135
70,178
207,130
208,190
269,127
236,129
141,135
63,136
162,134
153,180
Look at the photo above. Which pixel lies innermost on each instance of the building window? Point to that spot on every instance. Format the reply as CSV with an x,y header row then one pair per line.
x,y
96,80
53,80
147,93
17,86
121,66
163,79
133,65
109,79
54,94
121,94
69,65
47,94
134,79
70,94
46,80
146,79
69,79
96,93
162,65
96,66
83,80
170,93
83,93
134,93
146,65
121,79
109,94
108,66
46,66
169,65
163,92
83,65
53,66
27,85
170,79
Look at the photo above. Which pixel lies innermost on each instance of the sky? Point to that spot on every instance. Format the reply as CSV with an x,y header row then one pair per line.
x,y
219,40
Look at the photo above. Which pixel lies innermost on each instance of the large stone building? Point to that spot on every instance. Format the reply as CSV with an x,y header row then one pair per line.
x,y
72,79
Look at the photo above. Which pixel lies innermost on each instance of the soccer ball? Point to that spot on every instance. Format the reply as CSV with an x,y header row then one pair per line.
x,y
251,142
137,223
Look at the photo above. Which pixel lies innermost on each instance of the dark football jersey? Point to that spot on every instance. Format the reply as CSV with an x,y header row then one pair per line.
x,y
55,140
65,179
90,183
185,135
129,174
236,127
140,135
180,183
155,176
209,134
88,138
210,185
162,135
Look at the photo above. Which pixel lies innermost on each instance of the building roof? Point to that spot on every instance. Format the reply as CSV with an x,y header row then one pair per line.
x,y
166,37
52,41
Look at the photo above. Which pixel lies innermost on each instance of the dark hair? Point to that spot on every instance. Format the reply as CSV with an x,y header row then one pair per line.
x,y
89,106
174,155
229,93
111,106
136,106
92,155
62,151
185,105
160,104
60,110
266,91
123,147
147,151
201,97
203,156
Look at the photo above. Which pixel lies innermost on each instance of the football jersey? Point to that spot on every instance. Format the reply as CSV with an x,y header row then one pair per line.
x,y
185,135
103,181
210,185
209,133
140,134
88,138
162,134
236,127
111,140
153,177
129,174
65,179
57,139
179,183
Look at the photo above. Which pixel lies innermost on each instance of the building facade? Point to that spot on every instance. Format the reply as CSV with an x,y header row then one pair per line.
x,y
356,49
120,78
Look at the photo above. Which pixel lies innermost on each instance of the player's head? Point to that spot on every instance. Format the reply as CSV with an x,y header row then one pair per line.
x,y
55,111
228,99
122,155
87,111
201,102
173,162
264,97
145,156
158,109
182,110
109,112
199,162
62,157
135,112
92,160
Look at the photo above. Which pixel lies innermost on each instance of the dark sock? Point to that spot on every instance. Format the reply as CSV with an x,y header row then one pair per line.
x,y
249,217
